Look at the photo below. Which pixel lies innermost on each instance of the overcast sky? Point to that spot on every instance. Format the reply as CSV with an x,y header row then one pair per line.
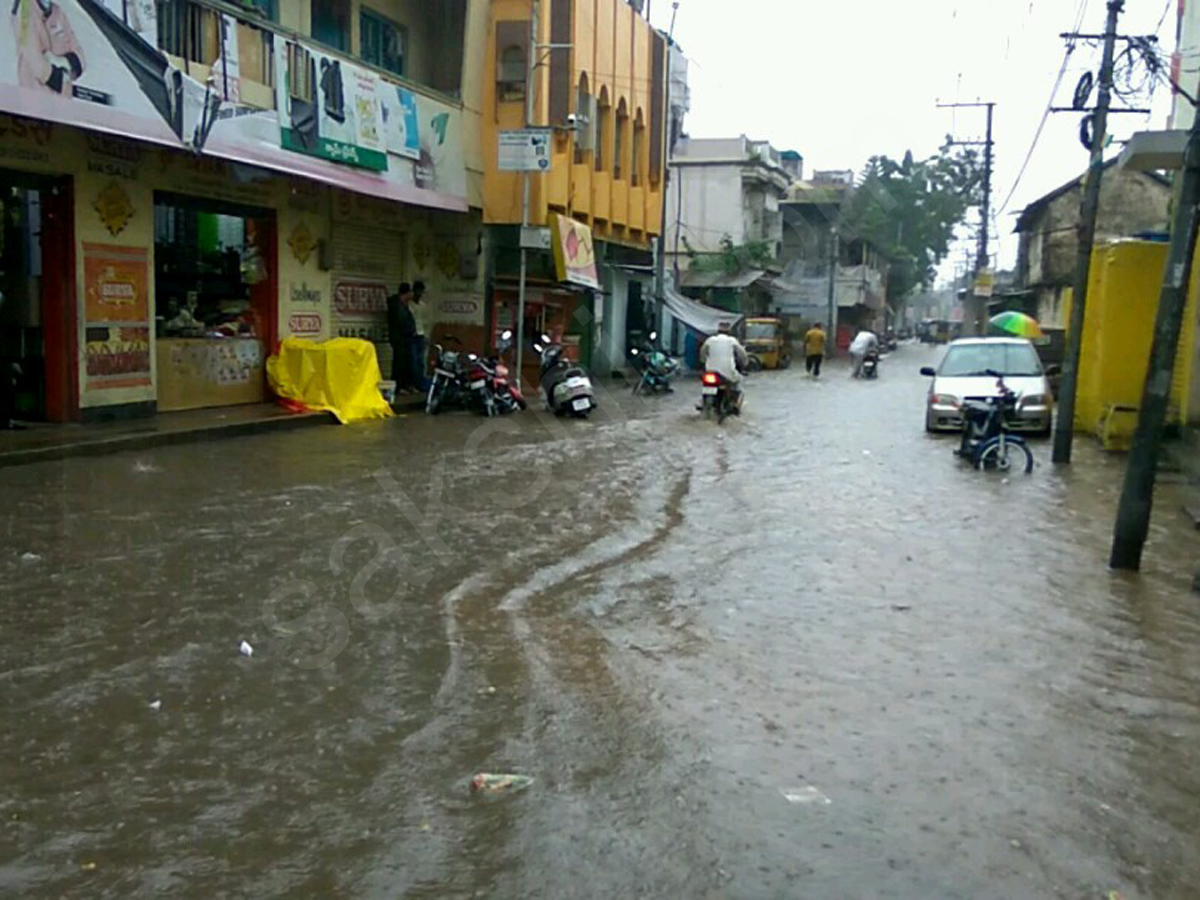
x,y
840,81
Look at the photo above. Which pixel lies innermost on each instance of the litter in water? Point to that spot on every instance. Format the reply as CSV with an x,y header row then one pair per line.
x,y
156,705
29,557
245,649
806,796
485,781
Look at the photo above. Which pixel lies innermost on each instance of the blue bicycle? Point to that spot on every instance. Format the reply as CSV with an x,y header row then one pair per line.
x,y
987,442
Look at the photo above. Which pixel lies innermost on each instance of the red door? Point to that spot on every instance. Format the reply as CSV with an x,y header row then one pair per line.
x,y
59,303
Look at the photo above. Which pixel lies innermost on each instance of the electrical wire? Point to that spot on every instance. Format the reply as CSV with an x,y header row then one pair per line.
x,y
1080,15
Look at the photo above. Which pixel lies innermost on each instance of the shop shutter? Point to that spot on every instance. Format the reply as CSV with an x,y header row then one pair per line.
x,y
368,265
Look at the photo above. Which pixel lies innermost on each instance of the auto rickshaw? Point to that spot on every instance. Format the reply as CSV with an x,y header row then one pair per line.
x,y
767,342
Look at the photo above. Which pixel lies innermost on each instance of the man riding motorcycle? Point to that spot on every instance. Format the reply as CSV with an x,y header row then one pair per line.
x,y
724,354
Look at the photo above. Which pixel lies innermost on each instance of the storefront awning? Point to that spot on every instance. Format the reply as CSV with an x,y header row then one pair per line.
x,y
697,316
721,279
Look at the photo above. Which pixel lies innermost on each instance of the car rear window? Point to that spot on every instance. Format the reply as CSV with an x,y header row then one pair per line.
x,y
1016,360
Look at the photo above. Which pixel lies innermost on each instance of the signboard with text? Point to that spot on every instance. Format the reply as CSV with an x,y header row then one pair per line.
x,y
524,150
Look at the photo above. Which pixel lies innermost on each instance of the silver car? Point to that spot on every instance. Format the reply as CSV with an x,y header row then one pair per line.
x,y
963,375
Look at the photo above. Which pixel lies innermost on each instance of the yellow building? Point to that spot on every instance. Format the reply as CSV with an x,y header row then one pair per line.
x,y
184,183
600,87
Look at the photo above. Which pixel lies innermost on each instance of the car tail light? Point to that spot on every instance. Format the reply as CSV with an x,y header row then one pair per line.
x,y
1035,400
943,400
711,378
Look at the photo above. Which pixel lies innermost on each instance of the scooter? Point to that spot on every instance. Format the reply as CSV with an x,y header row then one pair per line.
x,y
718,397
656,368
566,387
987,443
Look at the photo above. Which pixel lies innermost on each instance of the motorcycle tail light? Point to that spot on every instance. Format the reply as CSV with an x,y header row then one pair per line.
x,y
710,378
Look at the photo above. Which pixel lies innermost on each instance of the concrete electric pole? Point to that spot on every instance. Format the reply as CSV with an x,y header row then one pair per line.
x,y
1088,211
975,308
1137,496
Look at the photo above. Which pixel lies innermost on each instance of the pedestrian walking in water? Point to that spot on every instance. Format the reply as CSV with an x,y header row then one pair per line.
x,y
814,350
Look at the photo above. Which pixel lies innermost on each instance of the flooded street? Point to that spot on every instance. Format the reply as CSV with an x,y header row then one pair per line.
x,y
805,654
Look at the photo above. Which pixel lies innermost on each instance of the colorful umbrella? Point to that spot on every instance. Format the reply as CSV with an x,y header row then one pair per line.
x,y
1017,324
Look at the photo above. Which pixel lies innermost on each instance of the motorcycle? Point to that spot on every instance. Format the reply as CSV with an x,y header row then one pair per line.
x,y
718,397
987,443
870,366
656,368
446,386
566,387
488,388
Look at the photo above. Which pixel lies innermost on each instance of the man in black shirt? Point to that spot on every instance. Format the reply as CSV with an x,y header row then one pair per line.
x,y
402,333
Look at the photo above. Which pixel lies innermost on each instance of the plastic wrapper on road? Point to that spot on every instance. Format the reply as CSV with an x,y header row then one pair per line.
x,y
340,376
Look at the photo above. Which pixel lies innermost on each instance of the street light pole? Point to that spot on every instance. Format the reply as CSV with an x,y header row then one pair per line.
x,y
1065,427
530,112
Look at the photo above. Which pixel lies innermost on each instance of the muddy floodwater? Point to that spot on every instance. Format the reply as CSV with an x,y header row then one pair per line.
x,y
805,654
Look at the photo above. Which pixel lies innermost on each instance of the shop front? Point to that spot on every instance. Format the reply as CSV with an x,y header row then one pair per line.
x,y
215,301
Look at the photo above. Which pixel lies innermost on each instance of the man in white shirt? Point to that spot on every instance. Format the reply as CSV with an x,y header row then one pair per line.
x,y
864,342
724,354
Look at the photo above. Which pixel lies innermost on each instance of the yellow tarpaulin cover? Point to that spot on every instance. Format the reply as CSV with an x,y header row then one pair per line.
x,y
340,376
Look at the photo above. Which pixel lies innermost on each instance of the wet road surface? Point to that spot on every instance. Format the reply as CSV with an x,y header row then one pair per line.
x,y
668,624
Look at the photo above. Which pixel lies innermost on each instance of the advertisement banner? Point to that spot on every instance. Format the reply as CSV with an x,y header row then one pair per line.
x,y
330,107
116,316
574,253
95,64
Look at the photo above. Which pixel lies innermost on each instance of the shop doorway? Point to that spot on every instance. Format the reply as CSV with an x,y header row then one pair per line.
x,y
215,301
37,299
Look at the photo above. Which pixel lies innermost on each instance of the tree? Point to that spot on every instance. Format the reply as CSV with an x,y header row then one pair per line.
x,y
909,211
731,258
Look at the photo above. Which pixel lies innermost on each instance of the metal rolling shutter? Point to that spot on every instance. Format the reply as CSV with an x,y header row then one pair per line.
x,y
368,265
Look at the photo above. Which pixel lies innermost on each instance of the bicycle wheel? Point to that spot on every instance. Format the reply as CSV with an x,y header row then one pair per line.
x,y
1011,456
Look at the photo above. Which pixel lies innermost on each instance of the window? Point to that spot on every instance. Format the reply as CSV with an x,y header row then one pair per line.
x,y
382,42
331,23
583,123
974,360
621,141
188,31
300,73
510,77
603,126
639,148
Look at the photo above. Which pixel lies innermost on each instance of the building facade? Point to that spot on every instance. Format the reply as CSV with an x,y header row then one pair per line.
x,y
600,89
829,274
186,183
1131,203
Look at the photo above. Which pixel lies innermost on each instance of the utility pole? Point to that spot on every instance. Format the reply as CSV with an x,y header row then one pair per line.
x,y
660,264
1089,208
1137,496
834,241
975,314
530,112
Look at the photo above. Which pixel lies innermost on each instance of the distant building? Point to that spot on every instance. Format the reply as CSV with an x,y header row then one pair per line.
x,y
1130,203
724,191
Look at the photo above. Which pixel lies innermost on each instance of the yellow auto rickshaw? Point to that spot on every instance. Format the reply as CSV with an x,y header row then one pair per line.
x,y
767,343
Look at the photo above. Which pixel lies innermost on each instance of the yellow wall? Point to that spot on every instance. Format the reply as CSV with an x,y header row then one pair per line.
x,y
1126,278
613,46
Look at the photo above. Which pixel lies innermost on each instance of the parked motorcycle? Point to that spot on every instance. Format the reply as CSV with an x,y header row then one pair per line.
x,y
446,386
656,368
488,388
986,441
718,397
566,387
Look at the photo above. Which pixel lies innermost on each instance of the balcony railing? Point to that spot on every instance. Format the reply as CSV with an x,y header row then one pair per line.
x,y
195,33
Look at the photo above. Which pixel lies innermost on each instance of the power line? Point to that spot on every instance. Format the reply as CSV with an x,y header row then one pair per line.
x,y
1037,136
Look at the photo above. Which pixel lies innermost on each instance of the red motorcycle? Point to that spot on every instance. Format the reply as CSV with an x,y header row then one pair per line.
x,y
488,384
